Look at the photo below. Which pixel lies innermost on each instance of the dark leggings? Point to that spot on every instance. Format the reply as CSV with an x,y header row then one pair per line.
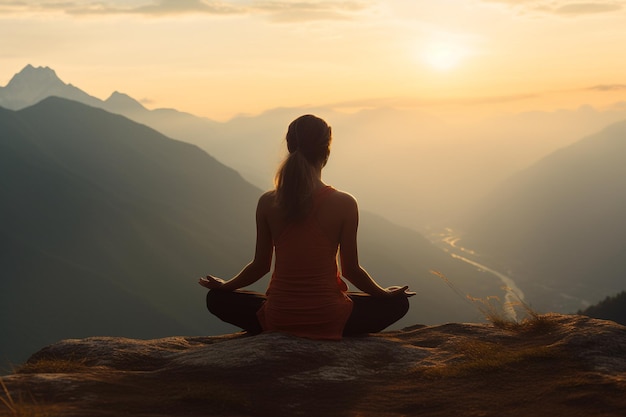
x,y
369,314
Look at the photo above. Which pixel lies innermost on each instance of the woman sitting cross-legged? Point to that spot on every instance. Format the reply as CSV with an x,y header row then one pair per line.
x,y
305,223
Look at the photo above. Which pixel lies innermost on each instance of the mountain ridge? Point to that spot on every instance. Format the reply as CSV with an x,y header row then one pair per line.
x,y
558,225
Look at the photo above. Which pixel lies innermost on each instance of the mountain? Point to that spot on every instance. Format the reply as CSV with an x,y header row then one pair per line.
x,y
413,168
559,225
32,85
611,308
106,225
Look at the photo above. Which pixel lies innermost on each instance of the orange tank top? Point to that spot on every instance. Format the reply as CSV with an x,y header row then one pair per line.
x,y
306,296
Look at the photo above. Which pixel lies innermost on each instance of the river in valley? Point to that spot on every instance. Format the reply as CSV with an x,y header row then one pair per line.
x,y
513,295
539,295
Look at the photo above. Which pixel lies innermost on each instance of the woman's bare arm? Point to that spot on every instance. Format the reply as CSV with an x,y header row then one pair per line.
x,y
349,255
262,262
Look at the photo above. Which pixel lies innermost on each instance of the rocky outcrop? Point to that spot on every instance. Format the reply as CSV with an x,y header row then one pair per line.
x,y
551,365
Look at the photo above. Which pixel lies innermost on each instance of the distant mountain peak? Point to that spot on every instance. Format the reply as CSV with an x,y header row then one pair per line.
x,y
122,103
33,84
116,94
31,68
34,75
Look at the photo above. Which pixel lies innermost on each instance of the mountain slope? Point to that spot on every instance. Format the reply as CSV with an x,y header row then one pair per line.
x,y
611,308
560,224
106,224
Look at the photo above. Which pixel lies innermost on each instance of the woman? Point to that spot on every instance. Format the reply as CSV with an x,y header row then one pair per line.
x,y
306,222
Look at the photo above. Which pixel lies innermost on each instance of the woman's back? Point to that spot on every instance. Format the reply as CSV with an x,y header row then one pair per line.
x,y
331,214
306,254
306,295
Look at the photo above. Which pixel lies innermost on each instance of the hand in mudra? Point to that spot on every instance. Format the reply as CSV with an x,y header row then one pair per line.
x,y
211,282
396,291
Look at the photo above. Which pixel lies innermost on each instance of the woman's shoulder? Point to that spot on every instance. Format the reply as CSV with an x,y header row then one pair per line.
x,y
341,195
342,198
267,199
268,195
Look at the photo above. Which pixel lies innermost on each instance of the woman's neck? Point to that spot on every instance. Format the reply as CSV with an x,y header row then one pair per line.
x,y
318,179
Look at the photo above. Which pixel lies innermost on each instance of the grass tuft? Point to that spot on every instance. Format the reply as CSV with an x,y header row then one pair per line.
x,y
504,315
50,365
479,358
19,407
6,398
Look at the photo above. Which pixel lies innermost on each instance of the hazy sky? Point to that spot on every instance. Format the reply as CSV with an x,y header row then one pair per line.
x,y
219,58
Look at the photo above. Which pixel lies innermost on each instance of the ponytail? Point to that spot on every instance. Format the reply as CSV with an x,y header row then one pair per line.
x,y
308,141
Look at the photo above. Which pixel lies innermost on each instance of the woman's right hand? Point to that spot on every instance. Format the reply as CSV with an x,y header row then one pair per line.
x,y
211,282
397,291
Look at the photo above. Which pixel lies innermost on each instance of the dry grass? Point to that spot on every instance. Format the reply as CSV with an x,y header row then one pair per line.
x,y
25,405
51,365
499,314
480,358
20,407
6,398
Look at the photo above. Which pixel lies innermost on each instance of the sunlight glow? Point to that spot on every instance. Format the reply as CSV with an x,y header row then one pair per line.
x,y
443,56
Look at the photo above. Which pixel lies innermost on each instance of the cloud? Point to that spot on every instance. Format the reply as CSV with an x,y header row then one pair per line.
x,y
608,87
158,8
290,11
566,8
418,102
279,10
588,8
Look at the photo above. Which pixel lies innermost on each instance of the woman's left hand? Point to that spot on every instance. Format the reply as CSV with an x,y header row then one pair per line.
x,y
395,291
211,282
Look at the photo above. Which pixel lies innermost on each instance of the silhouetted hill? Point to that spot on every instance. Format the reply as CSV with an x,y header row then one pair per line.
x,y
107,223
611,308
559,225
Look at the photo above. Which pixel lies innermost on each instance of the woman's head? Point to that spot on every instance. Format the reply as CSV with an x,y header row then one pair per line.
x,y
308,142
311,136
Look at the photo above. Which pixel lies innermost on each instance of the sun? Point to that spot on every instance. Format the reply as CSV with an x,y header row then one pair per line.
x,y
443,56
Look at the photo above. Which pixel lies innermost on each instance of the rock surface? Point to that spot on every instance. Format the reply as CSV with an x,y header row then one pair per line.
x,y
554,365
